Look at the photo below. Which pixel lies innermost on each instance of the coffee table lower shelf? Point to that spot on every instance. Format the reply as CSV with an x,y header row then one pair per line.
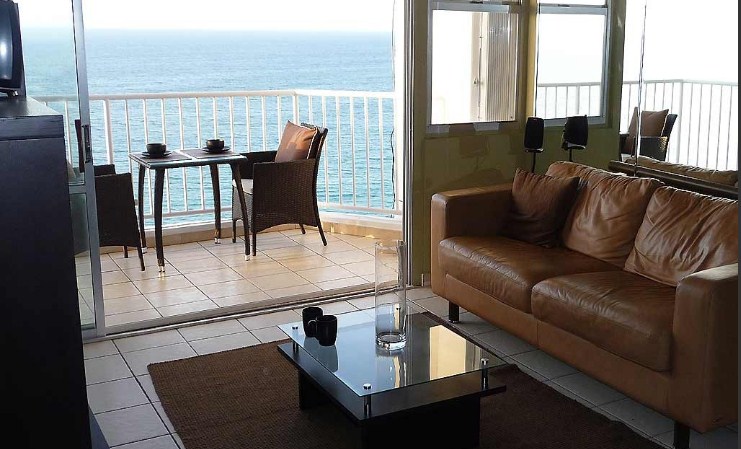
x,y
441,413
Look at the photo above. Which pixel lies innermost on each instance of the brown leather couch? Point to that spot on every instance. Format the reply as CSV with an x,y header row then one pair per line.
x,y
642,294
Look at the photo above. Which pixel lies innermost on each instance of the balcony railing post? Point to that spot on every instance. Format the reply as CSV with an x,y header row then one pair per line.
x,y
108,132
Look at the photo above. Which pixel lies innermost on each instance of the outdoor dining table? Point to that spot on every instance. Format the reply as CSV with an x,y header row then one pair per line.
x,y
183,159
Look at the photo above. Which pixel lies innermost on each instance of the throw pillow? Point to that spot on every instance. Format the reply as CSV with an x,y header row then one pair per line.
x,y
540,205
295,143
652,125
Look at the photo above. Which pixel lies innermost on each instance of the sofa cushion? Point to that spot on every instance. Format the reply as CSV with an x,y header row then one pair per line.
x,y
683,233
622,313
540,205
509,269
607,214
724,177
295,144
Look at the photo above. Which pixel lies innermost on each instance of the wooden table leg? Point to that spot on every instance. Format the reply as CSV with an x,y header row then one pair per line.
x,y
159,186
142,234
237,176
217,201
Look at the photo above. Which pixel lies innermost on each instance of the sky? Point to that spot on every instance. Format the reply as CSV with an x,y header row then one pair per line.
x,y
299,15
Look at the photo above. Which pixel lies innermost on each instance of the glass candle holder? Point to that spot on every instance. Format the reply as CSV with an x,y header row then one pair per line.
x,y
391,295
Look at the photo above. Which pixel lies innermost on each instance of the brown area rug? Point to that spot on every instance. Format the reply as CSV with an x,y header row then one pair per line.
x,y
248,398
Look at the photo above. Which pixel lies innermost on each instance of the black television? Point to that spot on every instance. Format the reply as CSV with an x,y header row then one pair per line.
x,y
12,76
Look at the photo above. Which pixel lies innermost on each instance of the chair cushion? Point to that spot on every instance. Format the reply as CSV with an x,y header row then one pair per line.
x,y
295,145
607,214
652,125
509,269
247,186
540,205
622,313
683,233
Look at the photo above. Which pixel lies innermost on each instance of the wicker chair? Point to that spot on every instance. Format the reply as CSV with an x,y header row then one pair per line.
x,y
114,193
279,193
655,147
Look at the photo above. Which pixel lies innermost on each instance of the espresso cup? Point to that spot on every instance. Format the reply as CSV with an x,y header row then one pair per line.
x,y
325,329
309,314
156,148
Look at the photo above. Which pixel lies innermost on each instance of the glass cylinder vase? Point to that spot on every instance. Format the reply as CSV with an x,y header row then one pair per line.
x,y
391,295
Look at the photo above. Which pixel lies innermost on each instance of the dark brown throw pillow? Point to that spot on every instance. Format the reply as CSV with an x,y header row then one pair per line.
x,y
540,206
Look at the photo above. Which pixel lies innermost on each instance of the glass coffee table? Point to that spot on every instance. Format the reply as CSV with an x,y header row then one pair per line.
x,y
428,393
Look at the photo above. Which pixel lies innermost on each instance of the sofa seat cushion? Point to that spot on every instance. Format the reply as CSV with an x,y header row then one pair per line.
x,y
622,313
509,269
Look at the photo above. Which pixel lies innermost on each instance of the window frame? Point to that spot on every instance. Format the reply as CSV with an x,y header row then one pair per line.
x,y
566,8
483,6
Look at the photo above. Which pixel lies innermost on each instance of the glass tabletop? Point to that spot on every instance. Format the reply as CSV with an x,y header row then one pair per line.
x,y
432,352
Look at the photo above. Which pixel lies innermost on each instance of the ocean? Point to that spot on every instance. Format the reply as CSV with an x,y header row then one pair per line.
x,y
129,62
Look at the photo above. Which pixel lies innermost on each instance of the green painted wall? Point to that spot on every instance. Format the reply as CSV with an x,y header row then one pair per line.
x,y
464,160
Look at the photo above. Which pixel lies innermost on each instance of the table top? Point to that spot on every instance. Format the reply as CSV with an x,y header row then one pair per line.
x,y
195,157
433,352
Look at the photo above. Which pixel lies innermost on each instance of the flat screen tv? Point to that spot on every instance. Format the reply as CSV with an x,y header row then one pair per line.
x,y
12,78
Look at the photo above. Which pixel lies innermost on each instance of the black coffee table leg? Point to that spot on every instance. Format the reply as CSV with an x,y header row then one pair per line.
x,y
217,201
309,396
159,186
143,236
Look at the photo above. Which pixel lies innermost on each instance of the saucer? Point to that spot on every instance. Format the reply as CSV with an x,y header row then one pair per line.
x,y
223,150
156,156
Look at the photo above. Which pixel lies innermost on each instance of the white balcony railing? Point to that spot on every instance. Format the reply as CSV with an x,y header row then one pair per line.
x,y
706,134
360,163
358,166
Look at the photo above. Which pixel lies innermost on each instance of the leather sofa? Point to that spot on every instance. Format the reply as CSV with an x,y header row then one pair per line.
x,y
642,294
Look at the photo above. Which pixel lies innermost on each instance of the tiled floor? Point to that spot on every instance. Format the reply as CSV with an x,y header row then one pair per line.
x,y
122,397
203,276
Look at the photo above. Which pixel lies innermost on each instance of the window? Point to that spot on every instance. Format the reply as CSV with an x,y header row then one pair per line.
x,y
474,63
572,58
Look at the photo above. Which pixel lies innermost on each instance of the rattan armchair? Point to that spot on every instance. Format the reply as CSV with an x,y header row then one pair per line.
x,y
655,147
278,193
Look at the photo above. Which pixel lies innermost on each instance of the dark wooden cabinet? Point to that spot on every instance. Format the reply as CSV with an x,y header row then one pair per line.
x,y
44,400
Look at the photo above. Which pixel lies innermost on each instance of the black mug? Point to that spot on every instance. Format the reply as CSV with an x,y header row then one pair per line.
x,y
325,329
310,314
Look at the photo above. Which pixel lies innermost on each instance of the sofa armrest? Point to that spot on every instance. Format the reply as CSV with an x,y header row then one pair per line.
x,y
705,352
470,212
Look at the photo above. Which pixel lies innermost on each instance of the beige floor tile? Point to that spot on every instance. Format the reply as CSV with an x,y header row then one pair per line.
x,y
257,267
306,263
210,330
106,369
130,425
343,283
195,265
313,238
146,382
367,268
414,294
191,247
331,248
276,281
148,341
225,248
162,284
99,349
270,319
114,277
238,300
231,288
293,252
359,242
237,260
347,257
123,290
115,395
132,317
183,309
336,308
363,303
308,289
325,274
151,272
133,262
269,334
213,277
108,265
224,343
126,305
276,245
140,360
175,297
163,415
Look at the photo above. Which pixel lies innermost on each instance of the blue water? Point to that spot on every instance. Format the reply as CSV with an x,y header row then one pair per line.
x,y
195,61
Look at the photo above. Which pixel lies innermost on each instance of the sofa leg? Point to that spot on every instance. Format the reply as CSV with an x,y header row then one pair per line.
x,y
681,436
454,313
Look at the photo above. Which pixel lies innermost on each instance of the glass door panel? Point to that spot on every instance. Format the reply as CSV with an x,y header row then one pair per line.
x,y
53,47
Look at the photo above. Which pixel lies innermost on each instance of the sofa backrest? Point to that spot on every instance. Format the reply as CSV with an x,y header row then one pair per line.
x,y
683,233
608,212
